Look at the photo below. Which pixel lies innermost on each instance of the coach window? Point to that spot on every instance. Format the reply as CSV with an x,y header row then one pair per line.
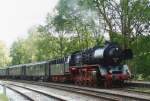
x,y
58,61
42,68
29,69
36,69
32,69
39,68
54,61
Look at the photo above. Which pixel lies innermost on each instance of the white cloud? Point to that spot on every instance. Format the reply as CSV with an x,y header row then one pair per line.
x,y
17,16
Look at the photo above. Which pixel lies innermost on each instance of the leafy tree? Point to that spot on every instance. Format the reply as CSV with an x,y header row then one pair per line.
x,y
141,49
4,56
128,17
17,52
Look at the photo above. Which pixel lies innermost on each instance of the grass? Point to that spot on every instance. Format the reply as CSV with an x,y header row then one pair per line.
x,y
3,97
143,90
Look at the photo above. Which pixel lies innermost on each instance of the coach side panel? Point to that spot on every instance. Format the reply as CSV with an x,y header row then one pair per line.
x,y
16,71
2,73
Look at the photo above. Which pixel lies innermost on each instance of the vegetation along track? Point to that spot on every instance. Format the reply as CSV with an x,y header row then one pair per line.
x,y
107,94
142,87
143,84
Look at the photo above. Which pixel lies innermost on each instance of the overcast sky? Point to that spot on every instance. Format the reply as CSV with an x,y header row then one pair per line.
x,y
17,16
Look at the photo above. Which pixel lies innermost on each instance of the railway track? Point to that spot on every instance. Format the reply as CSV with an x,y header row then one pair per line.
x,y
22,94
13,94
103,94
32,95
69,96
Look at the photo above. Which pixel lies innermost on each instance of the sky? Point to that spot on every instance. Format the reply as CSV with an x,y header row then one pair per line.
x,y
18,16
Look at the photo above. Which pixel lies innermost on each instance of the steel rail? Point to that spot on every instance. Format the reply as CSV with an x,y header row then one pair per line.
x,y
101,93
51,96
73,90
22,94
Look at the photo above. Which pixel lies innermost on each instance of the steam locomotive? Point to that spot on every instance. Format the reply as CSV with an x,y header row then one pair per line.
x,y
99,65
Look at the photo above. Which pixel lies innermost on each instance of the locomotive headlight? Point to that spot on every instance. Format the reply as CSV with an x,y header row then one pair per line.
x,y
110,71
103,71
125,71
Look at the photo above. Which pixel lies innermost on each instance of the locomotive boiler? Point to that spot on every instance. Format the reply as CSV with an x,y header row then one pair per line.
x,y
109,54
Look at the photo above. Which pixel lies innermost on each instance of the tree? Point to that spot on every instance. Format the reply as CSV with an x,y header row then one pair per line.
x,y
69,21
23,50
4,56
128,17
141,49
17,52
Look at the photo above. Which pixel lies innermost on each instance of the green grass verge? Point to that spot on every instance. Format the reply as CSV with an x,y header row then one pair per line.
x,y
3,97
142,90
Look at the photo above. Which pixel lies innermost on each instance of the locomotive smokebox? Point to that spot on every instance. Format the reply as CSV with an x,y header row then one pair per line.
x,y
108,55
